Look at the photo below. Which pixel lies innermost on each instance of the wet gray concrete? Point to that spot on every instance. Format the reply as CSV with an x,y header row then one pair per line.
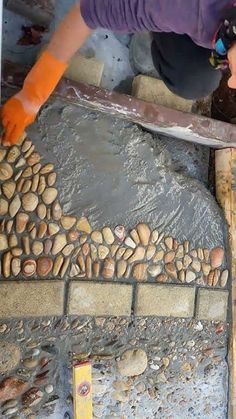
x,y
115,173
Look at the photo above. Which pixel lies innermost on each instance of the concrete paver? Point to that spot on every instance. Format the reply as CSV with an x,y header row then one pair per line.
x,y
95,299
212,304
31,299
166,301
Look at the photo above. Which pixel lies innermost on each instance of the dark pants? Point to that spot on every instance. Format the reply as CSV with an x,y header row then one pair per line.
x,y
184,66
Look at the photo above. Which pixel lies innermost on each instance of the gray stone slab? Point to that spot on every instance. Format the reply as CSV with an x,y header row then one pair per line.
x,y
40,11
96,299
31,299
212,304
165,301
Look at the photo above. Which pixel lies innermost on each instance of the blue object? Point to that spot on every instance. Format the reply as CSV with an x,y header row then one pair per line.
x,y
220,47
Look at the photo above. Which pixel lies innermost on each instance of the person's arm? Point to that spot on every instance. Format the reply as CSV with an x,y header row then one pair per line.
x,y
232,66
21,110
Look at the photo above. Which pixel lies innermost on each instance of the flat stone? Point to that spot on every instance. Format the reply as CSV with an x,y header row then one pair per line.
x,y
171,270
49,195
165,300
29,202
3,153
3,207
130,243
44,298
158,256
11,388
103,251
47,169
16,266
51,179
68,222
41,211
3,242
169,257
9,356
33,159
128,253
44,266
87,70
29,267
96,236
155,91
42,230
134,235
140,271
212,305
36,168
12,240
30,363
59,242
151,250
9,188
224,278
190,276
32,397
169,242
138,255
120,232
84,226
88,267
154,236
93,299
6,264
13,154
108,269
132,363
121,268
6,171
216,257
154,270
53,229
144,233
57,265
56,211
108,235
68,249
37,248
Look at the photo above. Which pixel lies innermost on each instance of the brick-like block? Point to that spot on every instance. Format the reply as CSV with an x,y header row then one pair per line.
x,y
165,301
31,299
85,70
82,69
96,299
212,304
155,91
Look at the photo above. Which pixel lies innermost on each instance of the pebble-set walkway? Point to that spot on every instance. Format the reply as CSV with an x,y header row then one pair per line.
x,y
54,264
148,368
37,240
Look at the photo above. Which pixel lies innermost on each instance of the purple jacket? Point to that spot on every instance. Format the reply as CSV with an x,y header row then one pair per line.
x,y
199,19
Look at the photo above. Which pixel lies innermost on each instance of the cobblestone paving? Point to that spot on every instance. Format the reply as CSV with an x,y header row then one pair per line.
x,y
173,368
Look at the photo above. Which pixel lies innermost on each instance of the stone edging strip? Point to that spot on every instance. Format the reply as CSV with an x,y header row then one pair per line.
x,y
23,299
31,299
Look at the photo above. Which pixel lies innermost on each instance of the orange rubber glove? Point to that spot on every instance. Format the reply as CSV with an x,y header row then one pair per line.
x,y
21,110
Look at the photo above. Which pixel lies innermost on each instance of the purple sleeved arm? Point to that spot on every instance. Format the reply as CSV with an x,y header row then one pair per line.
x,y
120,15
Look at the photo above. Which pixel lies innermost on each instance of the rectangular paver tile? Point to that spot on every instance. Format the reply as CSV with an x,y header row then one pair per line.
x,y
155,91
96,299
212,304
165,301
31,299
